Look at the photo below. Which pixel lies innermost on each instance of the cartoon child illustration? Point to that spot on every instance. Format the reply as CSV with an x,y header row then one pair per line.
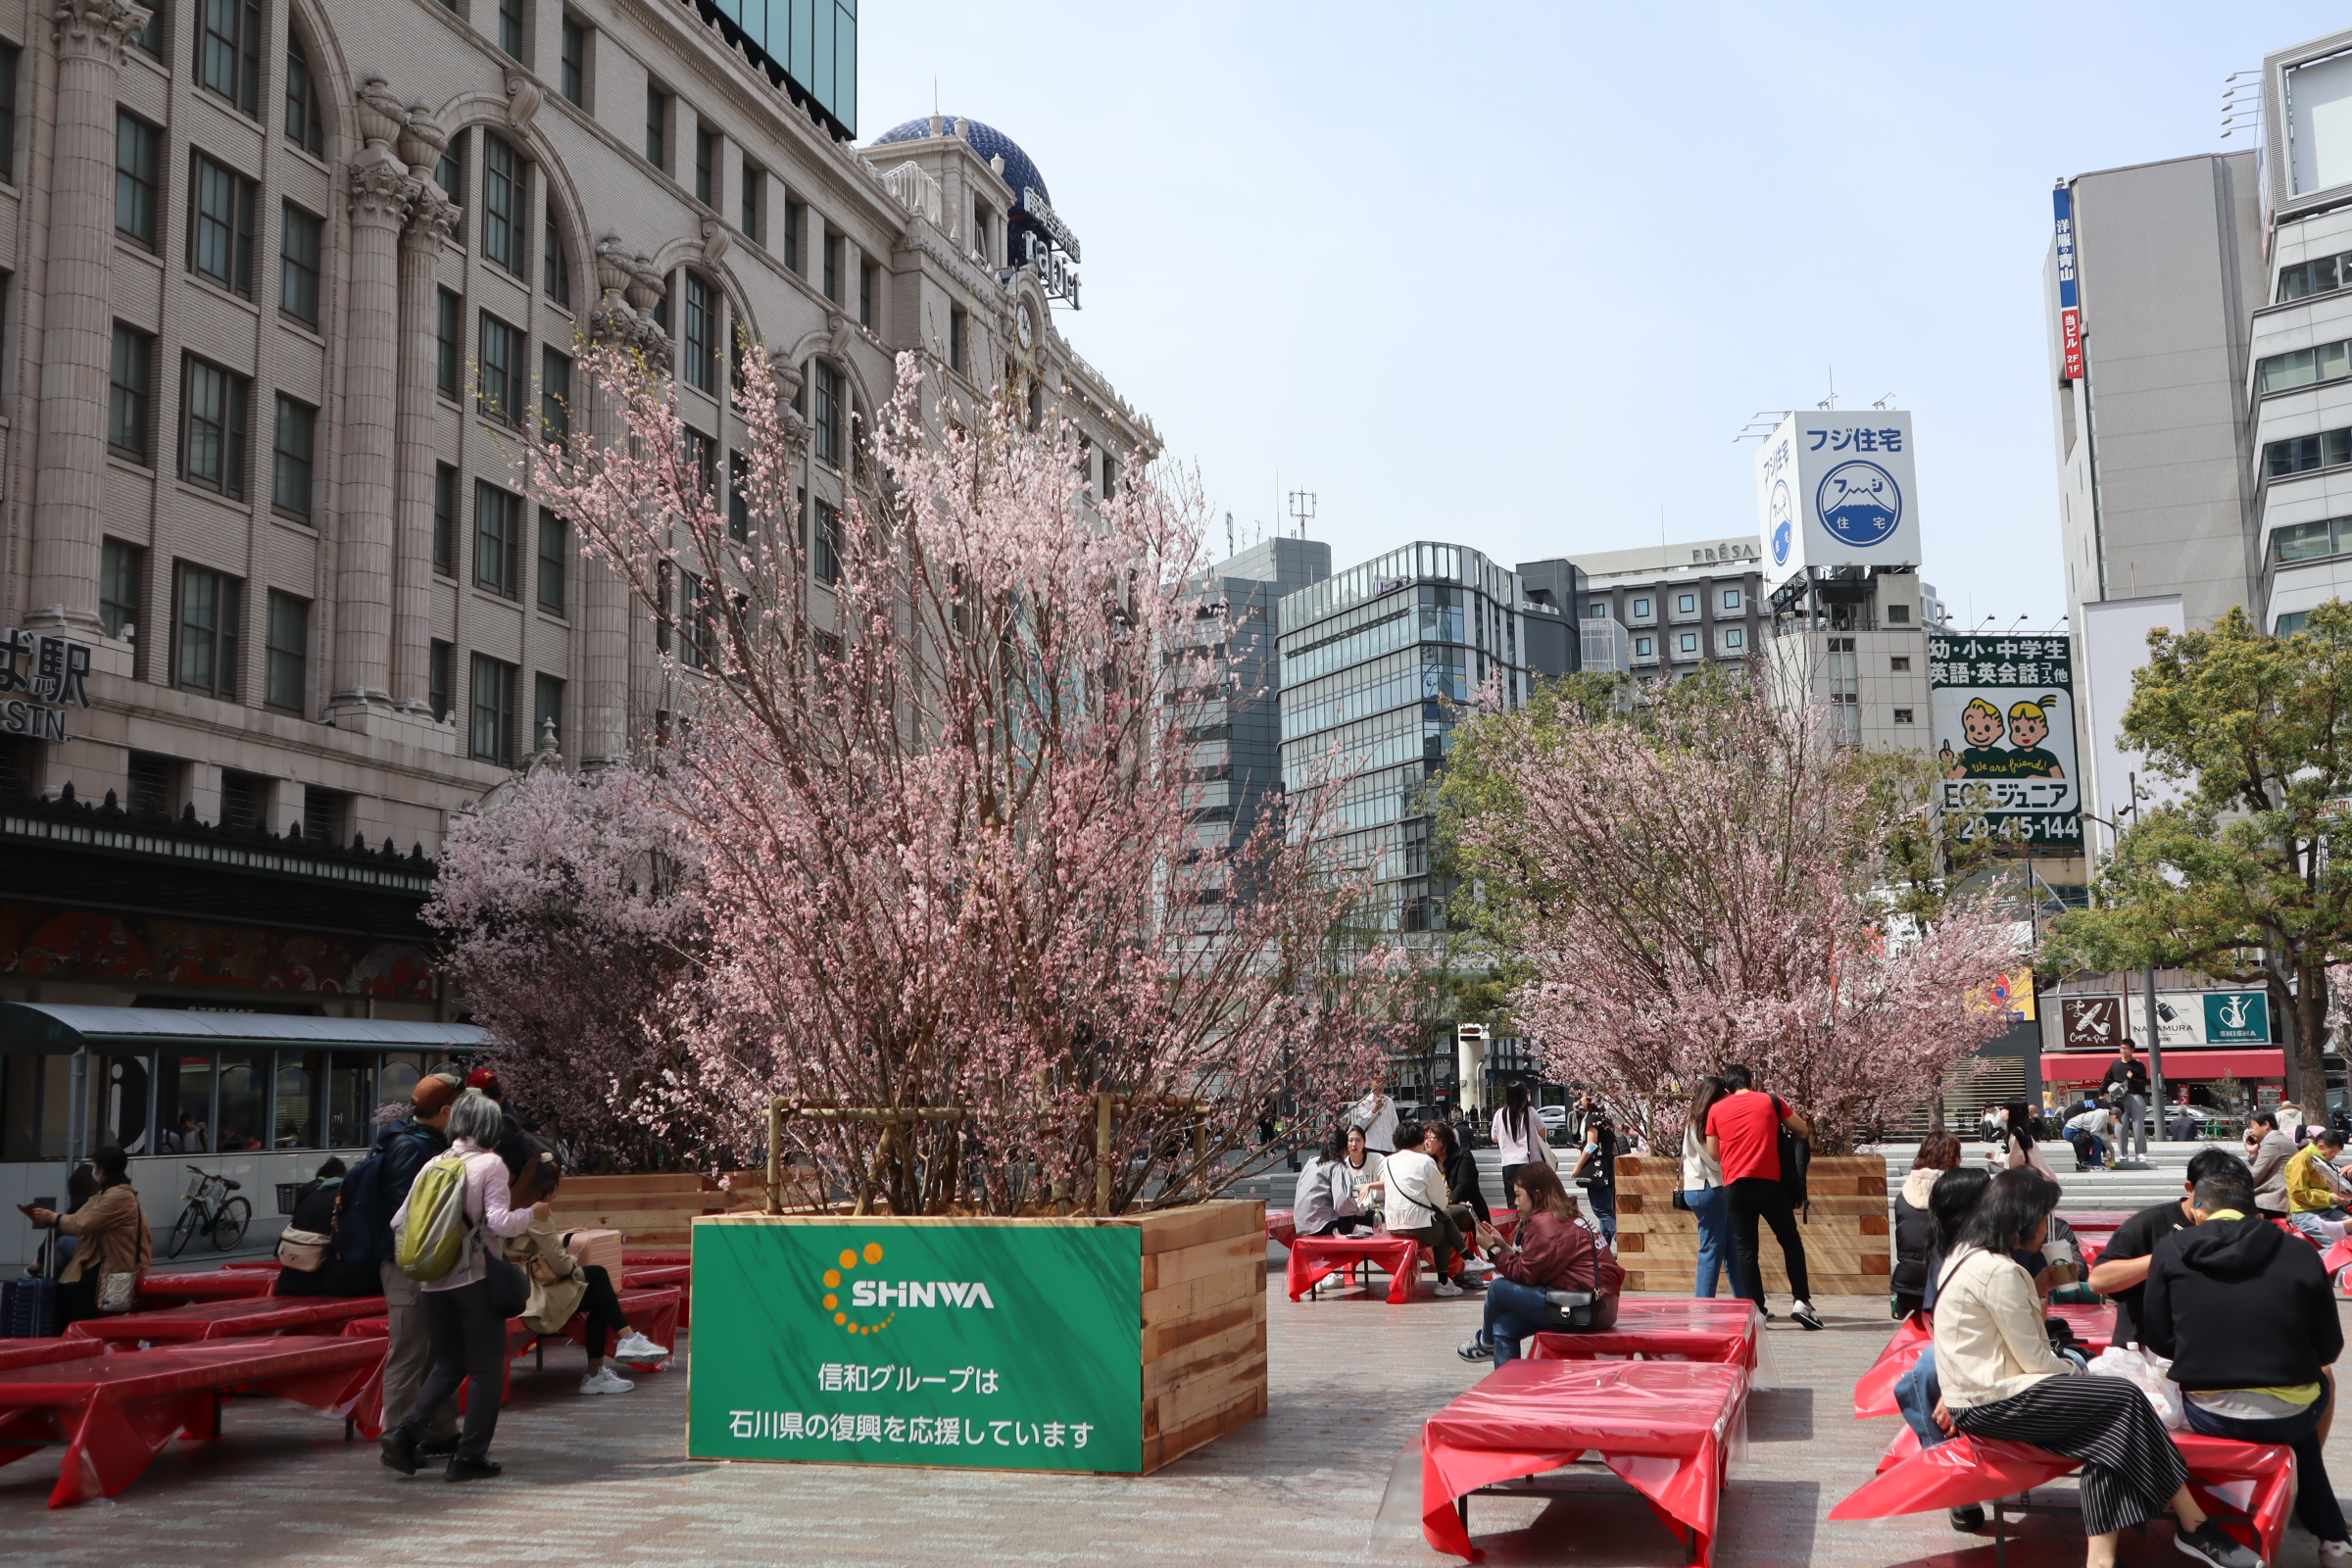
x,y
1980,723
2028,726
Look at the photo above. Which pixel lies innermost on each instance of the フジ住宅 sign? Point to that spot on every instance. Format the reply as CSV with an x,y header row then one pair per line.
x,y
2182,1018
967,1343
41,678
2004,716
1836,489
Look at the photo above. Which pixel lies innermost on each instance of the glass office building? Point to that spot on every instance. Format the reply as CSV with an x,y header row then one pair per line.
x,y
1372,658
808,45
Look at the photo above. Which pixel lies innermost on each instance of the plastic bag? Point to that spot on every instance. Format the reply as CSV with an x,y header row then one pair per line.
x,y
2147,1373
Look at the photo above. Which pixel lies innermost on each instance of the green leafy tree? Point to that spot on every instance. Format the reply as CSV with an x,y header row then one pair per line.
x,y
2233,880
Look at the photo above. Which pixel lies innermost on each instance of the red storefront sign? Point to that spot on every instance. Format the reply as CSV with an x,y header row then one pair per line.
x,y
2070,334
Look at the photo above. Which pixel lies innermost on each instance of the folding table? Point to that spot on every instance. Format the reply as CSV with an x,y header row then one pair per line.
x,y
157,1290
115,1412
1669,1428
1724,1328
214,1320
1313,1258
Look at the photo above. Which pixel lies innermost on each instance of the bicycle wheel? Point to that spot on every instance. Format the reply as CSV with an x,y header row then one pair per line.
x,y
229,1229
191,1221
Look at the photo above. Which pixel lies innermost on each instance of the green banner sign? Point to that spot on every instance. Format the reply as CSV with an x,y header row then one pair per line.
x,y
986,1344
2237,1015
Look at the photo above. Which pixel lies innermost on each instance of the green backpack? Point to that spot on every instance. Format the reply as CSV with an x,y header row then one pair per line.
x,y
434,1237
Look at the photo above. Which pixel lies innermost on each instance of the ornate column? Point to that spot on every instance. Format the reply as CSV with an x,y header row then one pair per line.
x,y
78,340
432,226
603,601
380,192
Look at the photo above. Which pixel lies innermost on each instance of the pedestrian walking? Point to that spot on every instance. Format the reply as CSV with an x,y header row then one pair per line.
x,y
1597,1166
1744,1134
2126,1087
466,1324
1703,1193
1518,1136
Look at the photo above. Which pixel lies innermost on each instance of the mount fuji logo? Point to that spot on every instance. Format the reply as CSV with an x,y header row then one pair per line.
x,y
1859,503
1778,517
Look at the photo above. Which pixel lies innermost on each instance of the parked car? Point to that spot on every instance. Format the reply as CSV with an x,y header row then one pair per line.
x,y
1554,1119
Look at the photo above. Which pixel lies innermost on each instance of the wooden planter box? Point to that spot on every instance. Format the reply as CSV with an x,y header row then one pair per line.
x,y
1847,1249
1078,1343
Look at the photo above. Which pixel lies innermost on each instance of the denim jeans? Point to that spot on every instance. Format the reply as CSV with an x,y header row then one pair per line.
x,y
1602,1202
2315,1494
1916,1395
2309,1221
1513,1312
1711,1207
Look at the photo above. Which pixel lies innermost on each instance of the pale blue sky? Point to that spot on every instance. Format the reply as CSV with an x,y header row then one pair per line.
x,y
1513,276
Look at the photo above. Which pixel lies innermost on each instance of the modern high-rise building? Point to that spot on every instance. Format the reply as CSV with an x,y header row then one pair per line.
x,y
1237,736
1681,606
1373,661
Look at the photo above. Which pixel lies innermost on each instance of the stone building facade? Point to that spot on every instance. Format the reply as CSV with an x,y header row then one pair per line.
x,y
287,282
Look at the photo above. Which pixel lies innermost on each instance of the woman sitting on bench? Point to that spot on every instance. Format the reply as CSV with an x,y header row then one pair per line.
x,y
2002,1380
1555,1252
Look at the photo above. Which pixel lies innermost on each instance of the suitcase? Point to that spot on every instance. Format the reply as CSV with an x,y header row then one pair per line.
x,y
29,1305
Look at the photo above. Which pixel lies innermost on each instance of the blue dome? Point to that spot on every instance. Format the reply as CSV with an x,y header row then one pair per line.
x,y
988,141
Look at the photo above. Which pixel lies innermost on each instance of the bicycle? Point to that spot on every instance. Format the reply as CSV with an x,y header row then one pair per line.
x,y
208,1210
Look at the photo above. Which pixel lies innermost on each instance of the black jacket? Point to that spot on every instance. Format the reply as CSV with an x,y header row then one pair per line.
x,y
1461,1180
2238,1303
1911,1231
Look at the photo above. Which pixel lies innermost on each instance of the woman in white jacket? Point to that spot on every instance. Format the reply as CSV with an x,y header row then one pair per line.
x,y
2002,1380
470,1338
1518,1134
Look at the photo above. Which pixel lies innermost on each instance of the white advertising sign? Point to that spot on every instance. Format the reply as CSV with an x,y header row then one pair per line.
x,y
1836,489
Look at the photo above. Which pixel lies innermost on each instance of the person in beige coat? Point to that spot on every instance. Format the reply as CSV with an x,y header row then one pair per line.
x,y
114,1232
561,1285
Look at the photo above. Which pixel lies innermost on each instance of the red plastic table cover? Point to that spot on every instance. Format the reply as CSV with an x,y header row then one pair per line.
x,y
270,1263
2256,1479
632,1256
1281,1226
2094,1324
115,1412
158,1291
214,1320
1725,1329
653,1276
39,1352
1666,1427
1313,1258
2337,1258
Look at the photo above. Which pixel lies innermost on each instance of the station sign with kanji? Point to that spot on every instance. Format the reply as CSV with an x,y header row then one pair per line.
x,y
42,677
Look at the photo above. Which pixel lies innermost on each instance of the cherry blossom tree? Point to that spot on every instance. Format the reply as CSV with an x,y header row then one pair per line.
x,y
573,908
931,762
1703,880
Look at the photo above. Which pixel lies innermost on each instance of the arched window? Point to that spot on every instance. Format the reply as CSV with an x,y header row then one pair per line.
x,y
306,120
699,352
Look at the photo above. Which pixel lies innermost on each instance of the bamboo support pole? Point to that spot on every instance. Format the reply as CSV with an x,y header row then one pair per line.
x,y
896,1118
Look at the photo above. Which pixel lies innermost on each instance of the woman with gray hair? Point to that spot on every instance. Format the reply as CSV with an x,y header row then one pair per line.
x,y
468,1332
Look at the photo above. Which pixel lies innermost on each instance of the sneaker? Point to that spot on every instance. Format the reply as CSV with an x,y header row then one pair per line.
x,y
1970,1518
1803,1314
1447,1288
2336,1551
2210,1544
637,1347
1474,1349
603,1380
1477,1265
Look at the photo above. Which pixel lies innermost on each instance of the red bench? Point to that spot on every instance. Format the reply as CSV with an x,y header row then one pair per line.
x,y
1667,1427
1724,1328
653,1276
116,1411
212,1285
1874,1392
2246,1485
217,1320
39,1352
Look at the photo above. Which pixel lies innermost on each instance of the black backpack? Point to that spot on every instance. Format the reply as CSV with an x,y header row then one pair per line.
x,y
363,1223
1795,1154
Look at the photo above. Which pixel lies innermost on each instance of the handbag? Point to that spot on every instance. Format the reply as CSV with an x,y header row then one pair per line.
x,y
1795,1156
1578,1309
510,1287
1681,1201
116,1292
303,1251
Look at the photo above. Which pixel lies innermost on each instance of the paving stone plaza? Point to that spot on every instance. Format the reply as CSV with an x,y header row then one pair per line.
x,y
606,1481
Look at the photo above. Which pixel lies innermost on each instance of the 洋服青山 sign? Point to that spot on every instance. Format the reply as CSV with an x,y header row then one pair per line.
x,y
40,678
977,1343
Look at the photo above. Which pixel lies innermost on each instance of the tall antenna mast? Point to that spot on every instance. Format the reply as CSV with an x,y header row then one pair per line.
x,y
1229,533
1303,509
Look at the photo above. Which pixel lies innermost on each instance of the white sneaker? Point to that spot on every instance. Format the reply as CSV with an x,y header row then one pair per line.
x,y
603,1380
1477,1265
2333,1552
1447,1288
637,1347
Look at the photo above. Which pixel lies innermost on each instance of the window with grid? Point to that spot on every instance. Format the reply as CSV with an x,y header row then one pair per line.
x,y
221,224
547,712
825,420
130,393
554,394
739,495
828,547
445,520
139,169
285,664
694,622
290,447
509,26
229,52
556,273
575,62
498,539
796,215
450,173
706,165
213,432
151,777
503,203
298,241
956,333
439,661
501,360
121,570
657,128
753,178
553,558
702,456
702,333
204,642
326,814
868,282
491,735
306,120
9,56
833,266
449,334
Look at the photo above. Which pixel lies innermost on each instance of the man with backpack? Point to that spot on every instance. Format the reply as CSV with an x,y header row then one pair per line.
x,y
372,1194
1743,1131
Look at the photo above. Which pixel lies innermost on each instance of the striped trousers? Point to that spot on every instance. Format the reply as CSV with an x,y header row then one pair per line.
x,y
2130,1468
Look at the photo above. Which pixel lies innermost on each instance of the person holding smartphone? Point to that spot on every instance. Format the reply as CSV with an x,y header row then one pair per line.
x,y
111,1234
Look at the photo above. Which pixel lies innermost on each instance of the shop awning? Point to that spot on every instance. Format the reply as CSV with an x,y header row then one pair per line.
x,y
2179,1067
61,1027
